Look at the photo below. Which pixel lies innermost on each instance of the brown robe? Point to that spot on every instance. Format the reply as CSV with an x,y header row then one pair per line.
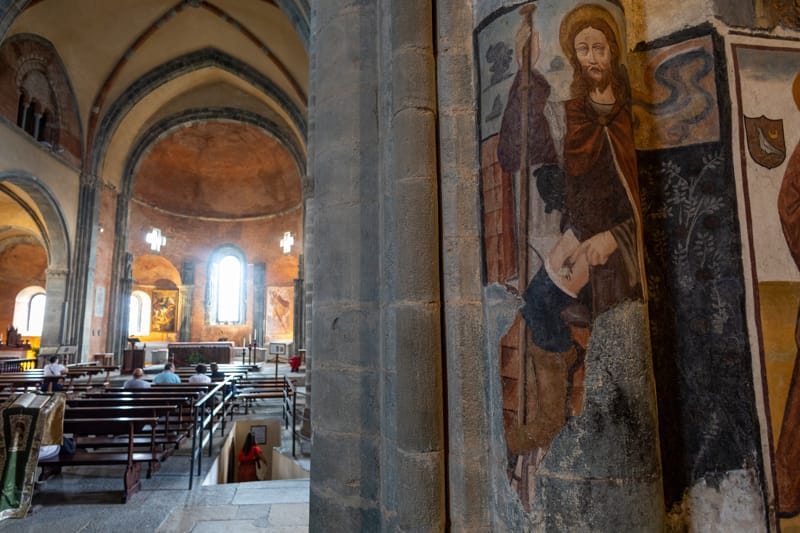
x,y
602,194
787,456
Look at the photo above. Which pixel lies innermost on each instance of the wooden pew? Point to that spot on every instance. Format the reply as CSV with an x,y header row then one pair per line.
x,y
89,369
263,388
167,434
131,459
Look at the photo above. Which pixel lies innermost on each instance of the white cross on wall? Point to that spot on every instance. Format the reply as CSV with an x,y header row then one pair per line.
x,y
155,240
287,242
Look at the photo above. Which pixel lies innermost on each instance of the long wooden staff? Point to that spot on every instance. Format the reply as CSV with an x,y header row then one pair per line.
x,y
526,12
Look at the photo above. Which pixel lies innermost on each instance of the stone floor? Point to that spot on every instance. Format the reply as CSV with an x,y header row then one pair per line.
x,y
88,500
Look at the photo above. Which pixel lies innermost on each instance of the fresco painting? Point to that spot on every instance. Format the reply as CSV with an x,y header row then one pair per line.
x,y
280,312
561,208
768,97
674,95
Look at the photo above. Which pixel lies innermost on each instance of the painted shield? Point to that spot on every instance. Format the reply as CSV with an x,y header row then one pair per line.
x,y
765,140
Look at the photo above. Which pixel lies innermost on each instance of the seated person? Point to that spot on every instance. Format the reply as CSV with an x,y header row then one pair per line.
x,y
53,370
215,372
137,381
218,375
167,376
200,375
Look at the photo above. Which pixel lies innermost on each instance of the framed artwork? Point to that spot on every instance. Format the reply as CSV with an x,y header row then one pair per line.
x,y
280,312
259,434
164,311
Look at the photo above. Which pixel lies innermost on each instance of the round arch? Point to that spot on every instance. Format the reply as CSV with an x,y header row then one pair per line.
x,y
173,69
55,235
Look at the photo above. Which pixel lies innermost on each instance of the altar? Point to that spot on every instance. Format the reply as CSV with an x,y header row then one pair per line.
x,y
191,353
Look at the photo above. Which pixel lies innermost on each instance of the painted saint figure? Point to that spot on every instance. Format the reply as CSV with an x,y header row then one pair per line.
x,y
580,157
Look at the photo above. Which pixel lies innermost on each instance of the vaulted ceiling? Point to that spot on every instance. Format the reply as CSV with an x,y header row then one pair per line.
x,y
153,79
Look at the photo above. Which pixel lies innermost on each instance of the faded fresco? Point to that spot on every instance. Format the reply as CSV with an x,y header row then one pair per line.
x,y
280,312
767,86
562,230
696,298
674,95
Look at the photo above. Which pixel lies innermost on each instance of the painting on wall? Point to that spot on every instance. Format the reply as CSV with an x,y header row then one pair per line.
x,y
164,311
280,312
766,88
561,221
674,95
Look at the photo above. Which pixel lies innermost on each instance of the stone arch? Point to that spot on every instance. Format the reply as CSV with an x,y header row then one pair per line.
x,y
297,13
36,93
173,122
208,57
55,235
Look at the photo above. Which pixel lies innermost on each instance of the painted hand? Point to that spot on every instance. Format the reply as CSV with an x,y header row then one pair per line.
x,y
597,248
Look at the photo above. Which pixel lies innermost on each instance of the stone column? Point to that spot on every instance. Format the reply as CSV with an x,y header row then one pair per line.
x,y
259,300
344,162
469,376
81,286
376,312
412,433
299,308
185,291
55,307
121,326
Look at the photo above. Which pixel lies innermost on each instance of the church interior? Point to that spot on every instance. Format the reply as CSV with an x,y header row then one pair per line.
x,y
540,259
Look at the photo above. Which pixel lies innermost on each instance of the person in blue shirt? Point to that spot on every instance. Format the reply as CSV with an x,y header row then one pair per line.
x,y
167,376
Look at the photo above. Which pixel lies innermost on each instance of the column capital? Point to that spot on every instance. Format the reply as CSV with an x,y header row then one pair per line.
x,y
56,273
87,178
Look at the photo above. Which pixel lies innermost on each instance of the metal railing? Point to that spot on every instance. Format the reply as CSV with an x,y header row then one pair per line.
x,y
16,365
209,414
290,394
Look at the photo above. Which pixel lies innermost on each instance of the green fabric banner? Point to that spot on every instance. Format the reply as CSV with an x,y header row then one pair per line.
x,y
28,421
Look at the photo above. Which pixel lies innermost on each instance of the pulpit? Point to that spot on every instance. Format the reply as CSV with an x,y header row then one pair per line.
x,y
132,359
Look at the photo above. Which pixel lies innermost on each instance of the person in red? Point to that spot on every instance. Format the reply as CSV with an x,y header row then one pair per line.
x,y
247,459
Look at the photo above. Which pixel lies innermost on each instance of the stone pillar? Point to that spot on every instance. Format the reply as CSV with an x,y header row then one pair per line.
x,y
299,307
79,295
308,292
121,282
121,326
259,300
344,162
186,292
412,445
376,311
54,310
469,372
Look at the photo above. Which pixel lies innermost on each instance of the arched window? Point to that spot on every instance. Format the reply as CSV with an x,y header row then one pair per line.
x,y
29,311
226,286
139,320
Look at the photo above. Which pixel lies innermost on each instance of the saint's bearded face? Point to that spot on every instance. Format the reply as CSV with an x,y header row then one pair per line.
x,y
594,56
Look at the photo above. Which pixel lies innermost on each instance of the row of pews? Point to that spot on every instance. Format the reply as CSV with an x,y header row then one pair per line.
x,y
140,429
34,379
